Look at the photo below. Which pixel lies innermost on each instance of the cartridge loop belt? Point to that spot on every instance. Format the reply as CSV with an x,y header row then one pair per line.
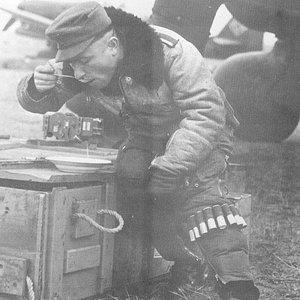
x,y
213,218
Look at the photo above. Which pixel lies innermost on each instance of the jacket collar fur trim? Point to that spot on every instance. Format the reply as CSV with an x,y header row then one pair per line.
x,y
143,58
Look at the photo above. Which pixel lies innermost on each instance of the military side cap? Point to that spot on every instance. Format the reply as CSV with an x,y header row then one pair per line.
x,y
76,28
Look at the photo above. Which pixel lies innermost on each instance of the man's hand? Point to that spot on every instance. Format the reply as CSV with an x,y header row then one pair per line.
x,y
44,78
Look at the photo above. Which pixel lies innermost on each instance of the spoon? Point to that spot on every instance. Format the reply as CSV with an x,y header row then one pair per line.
x,y
67,76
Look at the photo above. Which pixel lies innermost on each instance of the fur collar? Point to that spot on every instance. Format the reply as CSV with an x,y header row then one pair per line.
x,y
143,58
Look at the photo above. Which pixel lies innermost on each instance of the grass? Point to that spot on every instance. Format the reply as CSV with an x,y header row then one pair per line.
x,y
273,181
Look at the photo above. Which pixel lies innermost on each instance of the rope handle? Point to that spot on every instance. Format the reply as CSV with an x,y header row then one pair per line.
x,y
98,226
30,289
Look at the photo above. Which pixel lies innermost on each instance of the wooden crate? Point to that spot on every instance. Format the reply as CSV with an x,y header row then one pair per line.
x,y
64,257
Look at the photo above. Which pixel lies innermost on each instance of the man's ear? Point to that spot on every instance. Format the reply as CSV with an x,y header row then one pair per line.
x,y
114,44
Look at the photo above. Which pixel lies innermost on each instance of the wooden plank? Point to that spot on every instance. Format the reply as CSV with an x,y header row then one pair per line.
x,y
41,152
82,258
20,223
81,285
41,243
108,201
81,227
52,146
23,229
106,153
56,239
54,175
13,272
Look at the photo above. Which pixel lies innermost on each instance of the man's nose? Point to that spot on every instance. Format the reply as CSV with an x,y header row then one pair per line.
x,y
78,72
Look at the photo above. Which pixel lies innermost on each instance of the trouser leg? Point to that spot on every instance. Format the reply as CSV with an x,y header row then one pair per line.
x,y
133,200
168,233
226,250
167,238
